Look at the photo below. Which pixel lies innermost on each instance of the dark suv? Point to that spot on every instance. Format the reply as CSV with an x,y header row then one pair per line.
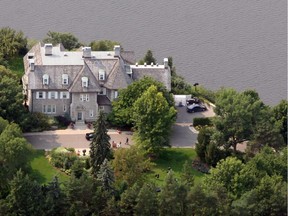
x,y
89,136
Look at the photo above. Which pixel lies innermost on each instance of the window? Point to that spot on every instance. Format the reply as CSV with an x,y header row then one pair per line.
x,y
84,97
91,114
64,95
102,91
52,95
45,79
101,108
101,74
84,82
40,95
49,109
64,79
64,108
115,94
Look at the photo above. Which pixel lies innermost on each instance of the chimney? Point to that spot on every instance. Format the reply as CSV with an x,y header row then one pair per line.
x,y
86,52
48,49
31,64
117,50
165,63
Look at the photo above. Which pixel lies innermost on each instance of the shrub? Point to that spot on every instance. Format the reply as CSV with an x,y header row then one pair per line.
x,y
201,122
63,121
63,159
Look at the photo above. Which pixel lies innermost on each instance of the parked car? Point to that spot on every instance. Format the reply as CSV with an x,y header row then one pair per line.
x,y
89,136
193,100
196,108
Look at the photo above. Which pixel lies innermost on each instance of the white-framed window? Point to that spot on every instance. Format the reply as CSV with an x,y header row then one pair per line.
x,y
101,108
49,109
84,82
91,113
45,79
53,95
64,108
40,95
101,74
65,80
84,97
64,95
115,94
102,91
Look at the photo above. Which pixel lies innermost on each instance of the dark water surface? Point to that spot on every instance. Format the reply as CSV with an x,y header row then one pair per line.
x,y
232,43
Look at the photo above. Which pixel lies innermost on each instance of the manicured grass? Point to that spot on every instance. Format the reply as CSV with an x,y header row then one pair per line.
x,y
42,170
16,65
174,158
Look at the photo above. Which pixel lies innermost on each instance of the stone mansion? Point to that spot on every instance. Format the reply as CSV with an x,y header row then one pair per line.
x,y
80,83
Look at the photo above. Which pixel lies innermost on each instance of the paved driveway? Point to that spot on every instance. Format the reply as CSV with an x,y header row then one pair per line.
x,y
182,135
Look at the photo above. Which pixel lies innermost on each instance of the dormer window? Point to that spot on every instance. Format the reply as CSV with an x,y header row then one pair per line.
x,y
64,79
101,74
45,79
84,82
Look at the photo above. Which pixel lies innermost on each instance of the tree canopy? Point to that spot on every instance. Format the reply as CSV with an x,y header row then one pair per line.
x,y
12,43
68,40
103,45
122,110
153,119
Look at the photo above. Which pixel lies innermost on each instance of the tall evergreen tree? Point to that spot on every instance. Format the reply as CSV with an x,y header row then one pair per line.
x,y
147,201
54,198
106,176
100,145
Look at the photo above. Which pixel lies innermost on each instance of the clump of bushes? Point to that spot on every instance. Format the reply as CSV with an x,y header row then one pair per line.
x,y
63,121
63,158
201,122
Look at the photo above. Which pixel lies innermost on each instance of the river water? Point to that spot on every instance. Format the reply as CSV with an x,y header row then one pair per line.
x,y
231,43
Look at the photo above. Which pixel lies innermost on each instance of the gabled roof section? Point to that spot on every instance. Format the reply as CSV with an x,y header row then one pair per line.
x,y
159,73
93,84
55,75
128,57
118,78
36,50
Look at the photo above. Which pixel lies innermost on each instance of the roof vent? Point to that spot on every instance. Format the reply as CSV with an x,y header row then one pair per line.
x,y
136,64
65,54
157,64
165,62
145,64
108,54
93,56
117,49
152,64
48,49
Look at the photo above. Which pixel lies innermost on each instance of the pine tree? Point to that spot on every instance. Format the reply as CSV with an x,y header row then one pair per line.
x,y
147,201
187,174
106,176
100,145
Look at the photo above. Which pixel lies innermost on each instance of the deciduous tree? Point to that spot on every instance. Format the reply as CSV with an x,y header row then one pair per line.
x,y
68,40
122,111
153,120
103,45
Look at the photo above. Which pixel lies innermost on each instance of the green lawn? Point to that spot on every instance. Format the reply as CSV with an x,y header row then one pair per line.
x,y
42,170
174,158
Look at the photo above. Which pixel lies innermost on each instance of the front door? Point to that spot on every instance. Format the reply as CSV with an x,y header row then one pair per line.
x,y
80,116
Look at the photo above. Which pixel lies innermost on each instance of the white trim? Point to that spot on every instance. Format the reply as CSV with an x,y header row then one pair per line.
x,y
101,74
45,79
84,97
65,79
